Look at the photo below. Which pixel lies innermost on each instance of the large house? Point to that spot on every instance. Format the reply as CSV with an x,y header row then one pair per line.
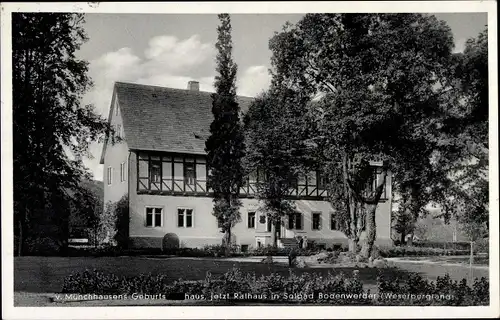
x,y
161,165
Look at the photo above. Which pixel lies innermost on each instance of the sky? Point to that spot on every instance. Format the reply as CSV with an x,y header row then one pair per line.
x,y
172,49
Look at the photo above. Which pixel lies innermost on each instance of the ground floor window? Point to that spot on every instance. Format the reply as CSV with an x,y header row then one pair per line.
x,y
333,222
316,220
184,218
251,220
110,175
295,221
154,217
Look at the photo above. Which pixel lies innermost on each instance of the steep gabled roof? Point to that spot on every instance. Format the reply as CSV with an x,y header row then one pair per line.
x,y
166,119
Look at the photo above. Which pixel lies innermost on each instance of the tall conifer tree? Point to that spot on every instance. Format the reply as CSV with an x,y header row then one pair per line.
x,y
225,146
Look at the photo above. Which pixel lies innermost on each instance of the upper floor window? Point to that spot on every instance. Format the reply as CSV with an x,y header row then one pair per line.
x,y
321,178
119,130
110,175
375,180
155,172
294,182
189,173
183,174
159,172
116,110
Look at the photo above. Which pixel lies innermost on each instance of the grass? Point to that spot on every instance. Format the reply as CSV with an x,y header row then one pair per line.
x,y
481,261
46,274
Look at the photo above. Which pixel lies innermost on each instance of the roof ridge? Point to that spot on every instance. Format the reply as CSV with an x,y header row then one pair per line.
x,y
171,89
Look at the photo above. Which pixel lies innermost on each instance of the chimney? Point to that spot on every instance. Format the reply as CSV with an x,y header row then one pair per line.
x,y
193,86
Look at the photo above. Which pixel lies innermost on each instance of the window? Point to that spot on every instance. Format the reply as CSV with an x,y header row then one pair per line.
x,y
269,225
143,174
374,181
311,178
122,172
119,130
333,222
316,220
294,182
220,222
184,218
295,221
153,217
321,180
262,219
251,220
110,175
116,108
189,173
252,177
155,172
261,175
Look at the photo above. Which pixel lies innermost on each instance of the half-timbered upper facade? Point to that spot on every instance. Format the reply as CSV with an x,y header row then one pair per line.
x,y
161,164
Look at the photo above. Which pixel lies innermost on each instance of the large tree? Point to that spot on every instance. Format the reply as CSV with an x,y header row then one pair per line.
x,y
275,127
381,76
467,198
225,146
49,122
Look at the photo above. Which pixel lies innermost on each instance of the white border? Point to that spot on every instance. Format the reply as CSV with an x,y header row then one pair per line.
x,y
274,312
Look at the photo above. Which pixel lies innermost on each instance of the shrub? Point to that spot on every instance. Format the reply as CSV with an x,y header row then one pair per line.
x,y
234,284
272,251
389,252
170,241
339,289
43,246
444,291
442,245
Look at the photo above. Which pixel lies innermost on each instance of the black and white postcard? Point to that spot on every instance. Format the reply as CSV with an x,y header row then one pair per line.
x,y
249,160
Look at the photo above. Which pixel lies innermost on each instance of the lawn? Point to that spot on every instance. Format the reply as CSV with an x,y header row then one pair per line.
x,y
481,260
46,274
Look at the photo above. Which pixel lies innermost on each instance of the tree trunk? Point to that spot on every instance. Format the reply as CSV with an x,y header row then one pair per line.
x,y
277,229
20,242
228,242
410,239
274,238
353,245
371,226
471,261
371,232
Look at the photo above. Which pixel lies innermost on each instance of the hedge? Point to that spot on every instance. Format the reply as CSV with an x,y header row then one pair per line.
x,y
416,251
207,251
306,288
